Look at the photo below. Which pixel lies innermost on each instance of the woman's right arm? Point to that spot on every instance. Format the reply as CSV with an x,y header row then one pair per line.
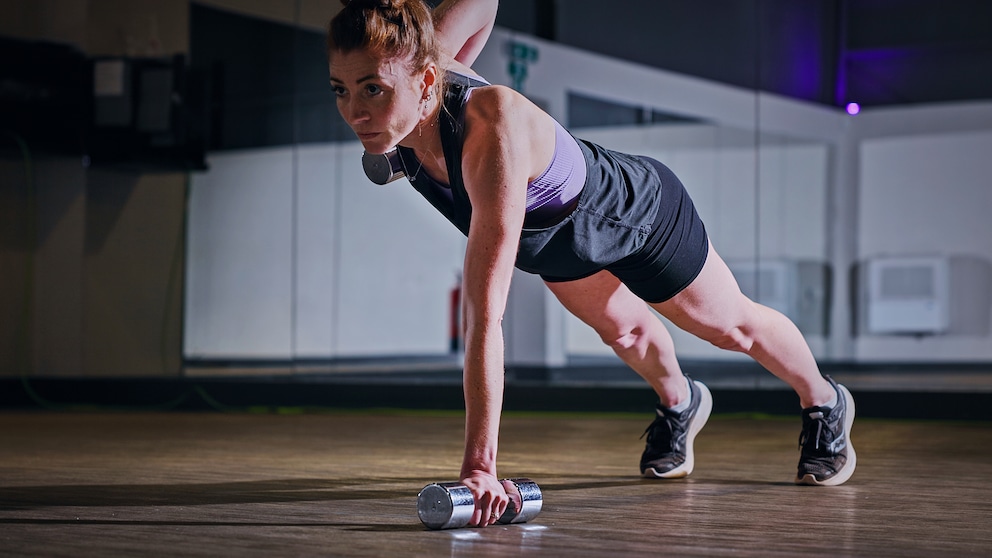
x,y
463,27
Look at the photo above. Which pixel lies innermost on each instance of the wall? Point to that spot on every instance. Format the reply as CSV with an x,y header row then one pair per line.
x,y
100,291
98,262
925,190
106,283
295,254
776,179
309,14
92,260
841,220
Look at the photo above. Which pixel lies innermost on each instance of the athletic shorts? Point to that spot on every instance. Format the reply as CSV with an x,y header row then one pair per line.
x,y
674,252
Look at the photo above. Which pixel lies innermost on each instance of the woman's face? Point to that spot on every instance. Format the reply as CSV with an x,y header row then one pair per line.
x,y
380,98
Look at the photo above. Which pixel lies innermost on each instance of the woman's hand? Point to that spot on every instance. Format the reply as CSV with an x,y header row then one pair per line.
x,y
490,497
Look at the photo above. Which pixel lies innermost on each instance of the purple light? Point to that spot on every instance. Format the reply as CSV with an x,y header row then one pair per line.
x,y
853,108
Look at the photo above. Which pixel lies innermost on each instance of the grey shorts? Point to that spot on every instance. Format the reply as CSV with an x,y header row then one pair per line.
x,y
673,253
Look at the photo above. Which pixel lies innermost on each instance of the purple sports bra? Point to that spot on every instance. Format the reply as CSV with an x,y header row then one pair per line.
x,y
551,195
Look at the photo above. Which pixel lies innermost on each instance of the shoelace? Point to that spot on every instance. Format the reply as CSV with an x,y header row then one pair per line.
x,y
820,421
651,433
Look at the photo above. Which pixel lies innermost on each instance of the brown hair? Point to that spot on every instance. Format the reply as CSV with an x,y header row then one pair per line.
x,y
385,28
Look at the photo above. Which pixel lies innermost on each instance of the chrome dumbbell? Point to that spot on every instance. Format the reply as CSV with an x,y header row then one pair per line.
x,y
449,505
384,168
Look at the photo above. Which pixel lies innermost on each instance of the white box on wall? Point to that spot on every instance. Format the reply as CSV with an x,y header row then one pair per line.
x,y
908,295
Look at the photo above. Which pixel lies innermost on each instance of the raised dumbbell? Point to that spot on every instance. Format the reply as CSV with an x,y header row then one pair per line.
x,y
449,505
383,169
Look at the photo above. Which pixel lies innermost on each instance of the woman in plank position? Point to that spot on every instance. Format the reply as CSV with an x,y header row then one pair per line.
x,y
612,235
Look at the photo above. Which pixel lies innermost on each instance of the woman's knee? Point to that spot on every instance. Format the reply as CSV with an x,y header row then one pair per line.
x,y
734,329
752,325
633,334
623,340
734,339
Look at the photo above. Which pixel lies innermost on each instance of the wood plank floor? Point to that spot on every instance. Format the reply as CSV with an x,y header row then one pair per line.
x,y
345,484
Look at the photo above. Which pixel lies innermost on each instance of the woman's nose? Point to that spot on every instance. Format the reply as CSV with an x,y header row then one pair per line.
x,y
357,113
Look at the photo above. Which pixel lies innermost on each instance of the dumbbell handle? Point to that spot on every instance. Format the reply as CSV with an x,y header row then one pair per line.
x,y
449,505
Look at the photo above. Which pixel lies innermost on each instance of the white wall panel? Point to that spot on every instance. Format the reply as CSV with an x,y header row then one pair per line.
x,y
398,261
317,216
370,274
239,257
929,195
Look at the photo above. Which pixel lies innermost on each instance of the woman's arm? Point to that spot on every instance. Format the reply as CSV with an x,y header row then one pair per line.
x,y
463,27
502,152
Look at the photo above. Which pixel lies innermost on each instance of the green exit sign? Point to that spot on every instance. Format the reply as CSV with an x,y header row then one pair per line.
x,y
521,55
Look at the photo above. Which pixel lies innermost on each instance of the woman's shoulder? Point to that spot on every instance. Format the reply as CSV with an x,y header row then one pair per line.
x,y
494,101
494,105
501,111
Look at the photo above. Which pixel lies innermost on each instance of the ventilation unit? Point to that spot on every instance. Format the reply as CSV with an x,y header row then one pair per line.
x,y
908,295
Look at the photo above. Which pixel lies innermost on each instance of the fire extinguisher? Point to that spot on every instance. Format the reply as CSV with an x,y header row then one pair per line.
x,y
455,315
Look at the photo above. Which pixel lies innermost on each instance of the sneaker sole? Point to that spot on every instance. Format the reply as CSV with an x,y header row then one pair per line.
x,y
847,470
698,421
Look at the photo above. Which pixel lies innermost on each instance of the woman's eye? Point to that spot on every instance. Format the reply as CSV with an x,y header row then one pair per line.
x,y
338,90
373,89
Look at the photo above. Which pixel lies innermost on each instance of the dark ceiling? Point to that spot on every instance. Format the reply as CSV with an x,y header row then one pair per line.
x,y
875,52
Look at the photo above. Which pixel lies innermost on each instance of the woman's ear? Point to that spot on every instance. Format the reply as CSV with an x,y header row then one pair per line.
x,y
430,79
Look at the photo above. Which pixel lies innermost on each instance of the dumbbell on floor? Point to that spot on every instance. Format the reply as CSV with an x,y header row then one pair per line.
x,y
449,505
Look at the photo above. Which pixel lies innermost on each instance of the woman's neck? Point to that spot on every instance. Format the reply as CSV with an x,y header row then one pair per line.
x,y
426,146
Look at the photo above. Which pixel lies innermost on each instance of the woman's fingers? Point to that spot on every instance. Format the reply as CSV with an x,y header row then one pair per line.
x,y
490,498
514,499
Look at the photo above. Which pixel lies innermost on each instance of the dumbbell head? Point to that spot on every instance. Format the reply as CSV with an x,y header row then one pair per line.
x,y
449,505
445,505
526,501
383,168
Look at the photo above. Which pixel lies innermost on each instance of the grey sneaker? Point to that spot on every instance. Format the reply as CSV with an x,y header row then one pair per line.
x,y
828,458
668,453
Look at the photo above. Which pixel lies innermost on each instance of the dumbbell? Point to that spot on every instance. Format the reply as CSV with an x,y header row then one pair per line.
x,y
384,168
449,505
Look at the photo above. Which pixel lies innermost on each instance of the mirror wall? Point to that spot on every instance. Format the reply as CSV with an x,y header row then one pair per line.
x,y
295,257
282,258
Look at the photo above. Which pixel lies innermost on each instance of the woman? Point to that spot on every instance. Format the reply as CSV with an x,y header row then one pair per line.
x,y
612,235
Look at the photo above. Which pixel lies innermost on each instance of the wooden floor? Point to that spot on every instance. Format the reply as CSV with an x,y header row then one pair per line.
x,y
345,484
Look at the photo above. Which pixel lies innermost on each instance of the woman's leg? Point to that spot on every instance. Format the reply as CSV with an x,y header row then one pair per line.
x,y
629,326
714,309
639,338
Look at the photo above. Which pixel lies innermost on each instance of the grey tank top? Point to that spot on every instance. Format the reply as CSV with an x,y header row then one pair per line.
x,y
612,216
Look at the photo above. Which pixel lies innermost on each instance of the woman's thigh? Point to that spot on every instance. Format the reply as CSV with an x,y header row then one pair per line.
x,y
712,305
604,303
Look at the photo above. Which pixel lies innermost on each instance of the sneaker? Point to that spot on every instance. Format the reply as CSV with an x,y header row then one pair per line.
x,y
828,458
668,454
